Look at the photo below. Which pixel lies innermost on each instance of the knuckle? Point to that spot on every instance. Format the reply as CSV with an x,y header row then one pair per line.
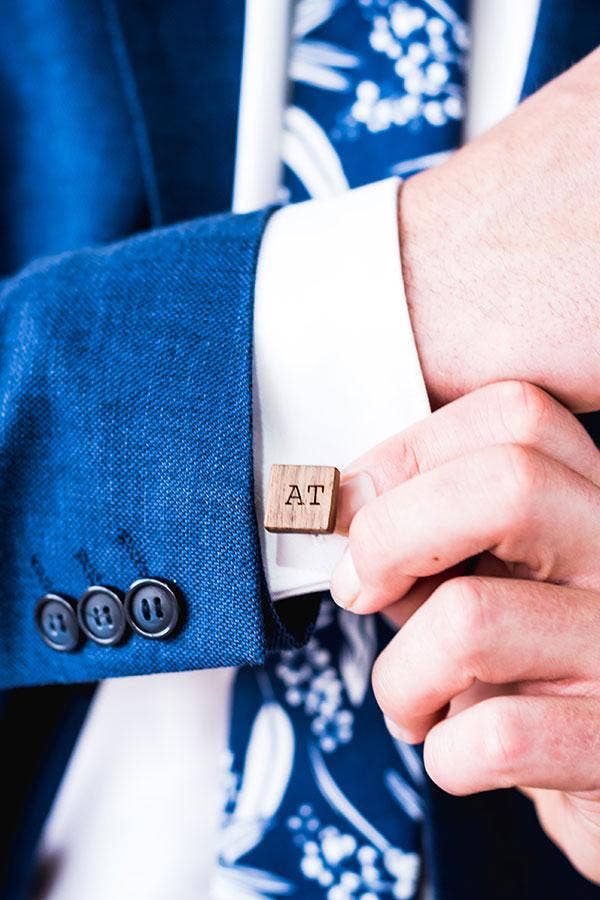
x,y
519,472
524,410
463,621
407,458
402,462
505,739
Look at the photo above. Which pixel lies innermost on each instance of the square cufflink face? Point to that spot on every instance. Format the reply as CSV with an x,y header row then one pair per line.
x,y
302,499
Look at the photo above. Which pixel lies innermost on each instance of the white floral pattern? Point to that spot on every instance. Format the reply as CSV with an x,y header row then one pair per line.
x,y
422,49
251,802
339,850
325,692
348,867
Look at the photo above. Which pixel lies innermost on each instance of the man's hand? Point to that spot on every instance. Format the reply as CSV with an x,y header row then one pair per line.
x,y
498,671
500,251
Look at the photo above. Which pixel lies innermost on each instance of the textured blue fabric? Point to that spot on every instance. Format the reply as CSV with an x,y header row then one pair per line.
x,y
126,444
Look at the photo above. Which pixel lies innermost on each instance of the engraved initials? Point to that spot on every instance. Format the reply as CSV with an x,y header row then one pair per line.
x,y
296,496
302,499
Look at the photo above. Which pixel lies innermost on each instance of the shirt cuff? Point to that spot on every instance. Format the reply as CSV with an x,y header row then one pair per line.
x,y
336,367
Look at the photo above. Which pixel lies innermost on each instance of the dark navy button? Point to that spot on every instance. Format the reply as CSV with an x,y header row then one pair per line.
x,y
57,622
152,608
101,615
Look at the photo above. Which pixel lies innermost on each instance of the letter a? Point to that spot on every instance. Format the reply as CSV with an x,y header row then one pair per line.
x,y
294,495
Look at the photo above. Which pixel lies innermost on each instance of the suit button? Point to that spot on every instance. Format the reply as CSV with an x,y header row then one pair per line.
x,y
152,608
101,615
56,622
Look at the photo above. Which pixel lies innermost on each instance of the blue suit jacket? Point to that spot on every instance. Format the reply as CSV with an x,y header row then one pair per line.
x,y
125,386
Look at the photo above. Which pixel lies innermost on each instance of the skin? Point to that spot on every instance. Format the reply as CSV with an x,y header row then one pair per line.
x,y
482,541
500,251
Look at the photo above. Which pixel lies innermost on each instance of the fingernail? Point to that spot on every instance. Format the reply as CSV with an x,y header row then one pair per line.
x,y
355,491
396,732
345,583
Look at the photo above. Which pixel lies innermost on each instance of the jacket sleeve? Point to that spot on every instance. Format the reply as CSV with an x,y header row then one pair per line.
x,y
126,450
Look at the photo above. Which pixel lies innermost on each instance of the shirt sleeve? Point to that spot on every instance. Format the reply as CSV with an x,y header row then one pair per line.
x,y
335,364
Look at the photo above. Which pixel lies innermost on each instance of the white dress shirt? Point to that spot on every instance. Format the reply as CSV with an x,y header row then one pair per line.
x,y
103,826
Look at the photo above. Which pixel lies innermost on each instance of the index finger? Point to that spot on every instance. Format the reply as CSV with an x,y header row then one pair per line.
x,y
507,412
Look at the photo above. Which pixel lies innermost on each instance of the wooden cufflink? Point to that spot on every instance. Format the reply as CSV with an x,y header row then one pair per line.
x,y
302,499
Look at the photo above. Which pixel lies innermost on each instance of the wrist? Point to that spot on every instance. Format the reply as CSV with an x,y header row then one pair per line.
x,y
490,283
431,267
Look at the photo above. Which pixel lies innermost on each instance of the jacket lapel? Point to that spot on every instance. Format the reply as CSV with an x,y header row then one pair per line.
x,y
567,30
491,847
180,64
